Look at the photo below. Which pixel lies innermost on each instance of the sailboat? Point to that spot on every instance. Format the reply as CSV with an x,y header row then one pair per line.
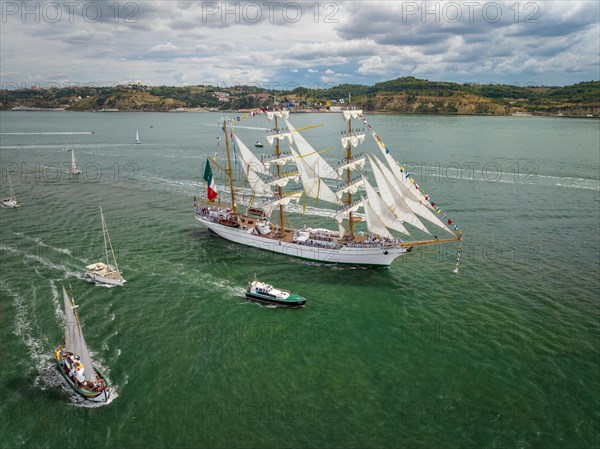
x,y
137,137
396,206
74,361
73,169
105,273
11,201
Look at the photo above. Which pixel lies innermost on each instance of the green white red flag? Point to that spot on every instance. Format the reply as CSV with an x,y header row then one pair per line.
x,y
208,177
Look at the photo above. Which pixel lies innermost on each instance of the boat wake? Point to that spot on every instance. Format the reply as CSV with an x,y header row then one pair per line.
x,y
40,242
66,133
37,345
27,257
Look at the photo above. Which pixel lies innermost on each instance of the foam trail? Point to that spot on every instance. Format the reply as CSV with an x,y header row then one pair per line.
x,y
39,241
239,127
48,134
31,257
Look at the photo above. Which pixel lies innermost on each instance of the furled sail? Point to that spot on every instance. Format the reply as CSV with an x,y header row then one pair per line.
x,y
354,140
394,201
280,135
349,187
344,211
280,160
279,114
356,163
314,187
374,223
283,180
268,205
311,156
416,206
74,341
382,210
249,159
352,114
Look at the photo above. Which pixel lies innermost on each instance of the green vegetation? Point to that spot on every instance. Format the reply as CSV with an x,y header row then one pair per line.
x,y
401,95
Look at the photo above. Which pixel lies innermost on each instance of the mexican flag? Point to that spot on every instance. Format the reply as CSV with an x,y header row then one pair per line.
x,y
208,177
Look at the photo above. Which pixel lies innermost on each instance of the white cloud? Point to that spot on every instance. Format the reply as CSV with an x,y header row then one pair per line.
x,y
176,42
163,48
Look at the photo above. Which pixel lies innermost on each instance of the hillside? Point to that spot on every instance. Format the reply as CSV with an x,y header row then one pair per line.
x,y
401,95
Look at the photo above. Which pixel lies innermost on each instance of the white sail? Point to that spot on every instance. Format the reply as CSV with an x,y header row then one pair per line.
x,y
416,206
394,201
382,210
12,192
314,187
395,168
74,341
137,137
73,163
311,156
374,223
249,159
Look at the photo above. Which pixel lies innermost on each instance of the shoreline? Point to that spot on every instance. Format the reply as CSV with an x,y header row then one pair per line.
x,y
234,111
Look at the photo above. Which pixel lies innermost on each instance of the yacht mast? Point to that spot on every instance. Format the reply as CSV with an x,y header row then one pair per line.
x,y
104,236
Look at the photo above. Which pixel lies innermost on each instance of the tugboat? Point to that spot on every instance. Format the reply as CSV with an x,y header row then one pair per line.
x,y
258,144
267,294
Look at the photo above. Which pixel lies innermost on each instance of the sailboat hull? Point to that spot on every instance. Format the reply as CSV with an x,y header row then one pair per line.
x,y
98,279
11,204
375,256
101,273
101,396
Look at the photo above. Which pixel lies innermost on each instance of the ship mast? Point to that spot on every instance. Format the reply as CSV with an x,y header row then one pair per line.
x,y
229,170
349,177
279,188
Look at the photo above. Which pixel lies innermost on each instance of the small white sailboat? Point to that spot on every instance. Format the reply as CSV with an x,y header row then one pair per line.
x,y
74,360
73,169
10,202
105,273
137,137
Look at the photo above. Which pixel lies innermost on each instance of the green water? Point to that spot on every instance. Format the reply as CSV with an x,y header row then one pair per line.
x,y
503,354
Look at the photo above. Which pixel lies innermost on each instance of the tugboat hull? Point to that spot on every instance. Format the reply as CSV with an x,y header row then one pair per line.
x,y
280,303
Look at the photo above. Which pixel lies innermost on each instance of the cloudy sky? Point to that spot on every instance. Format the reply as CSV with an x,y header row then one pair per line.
x,y
286,44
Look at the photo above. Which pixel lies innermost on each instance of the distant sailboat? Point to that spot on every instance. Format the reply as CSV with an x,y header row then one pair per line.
x,y
73,169
74,360
10,202
137,137
105,273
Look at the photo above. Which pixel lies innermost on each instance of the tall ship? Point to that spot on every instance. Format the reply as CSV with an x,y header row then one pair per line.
x,y
392,210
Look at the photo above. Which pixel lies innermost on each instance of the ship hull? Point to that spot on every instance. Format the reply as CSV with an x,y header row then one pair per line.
x,y
375,256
